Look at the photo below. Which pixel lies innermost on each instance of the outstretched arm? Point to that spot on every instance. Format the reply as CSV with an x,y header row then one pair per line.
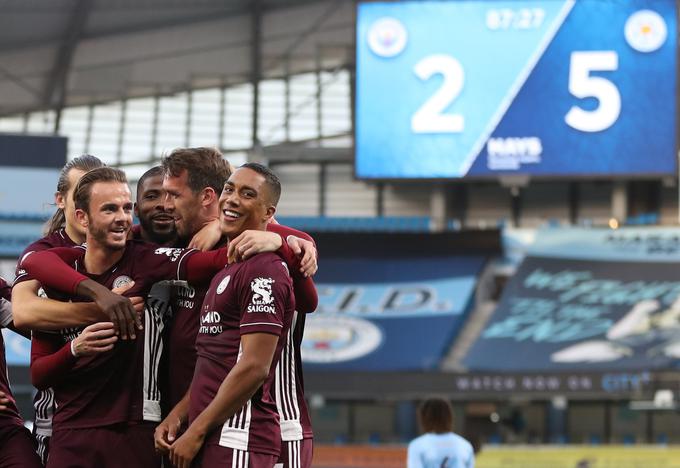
x,y
50,269
33,312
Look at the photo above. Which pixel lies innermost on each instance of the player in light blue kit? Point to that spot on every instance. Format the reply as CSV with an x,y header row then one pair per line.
x,y
439,447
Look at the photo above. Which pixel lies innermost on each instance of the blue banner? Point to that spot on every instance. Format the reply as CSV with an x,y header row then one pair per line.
x,y
384,314
590,301
540,87
643,244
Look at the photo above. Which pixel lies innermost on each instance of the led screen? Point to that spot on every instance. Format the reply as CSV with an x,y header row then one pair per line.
x,y
551,88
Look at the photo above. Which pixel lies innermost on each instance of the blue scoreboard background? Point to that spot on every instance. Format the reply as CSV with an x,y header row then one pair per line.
x,y
552,88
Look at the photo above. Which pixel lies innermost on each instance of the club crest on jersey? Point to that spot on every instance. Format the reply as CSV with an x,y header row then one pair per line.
x,y
121,281
223,284
174,254
262,299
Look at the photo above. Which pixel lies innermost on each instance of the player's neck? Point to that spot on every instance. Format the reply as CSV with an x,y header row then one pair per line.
x,y
73,234
210,214
99,259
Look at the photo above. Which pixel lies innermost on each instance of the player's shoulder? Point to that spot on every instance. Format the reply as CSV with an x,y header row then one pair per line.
x,y
50,241
139,246
286,231
418,443
266,262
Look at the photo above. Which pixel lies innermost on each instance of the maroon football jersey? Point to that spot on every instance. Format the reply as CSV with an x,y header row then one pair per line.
x,y
43,401
10,416
121,385
183,328
181,339
255,296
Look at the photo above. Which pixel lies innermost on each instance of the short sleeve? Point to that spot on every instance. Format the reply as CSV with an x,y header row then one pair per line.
x,y
21,274
265,295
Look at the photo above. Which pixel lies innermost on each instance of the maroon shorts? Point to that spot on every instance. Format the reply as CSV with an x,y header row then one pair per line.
x,y
212,456
17,448
118,446
296,454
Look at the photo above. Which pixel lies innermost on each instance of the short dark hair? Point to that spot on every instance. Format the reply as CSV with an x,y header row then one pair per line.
x,y
270,178
153,172
85,162
83,190
436,415
206,167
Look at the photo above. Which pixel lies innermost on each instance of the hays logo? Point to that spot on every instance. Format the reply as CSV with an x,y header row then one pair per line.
x,y
174,254
510,153
211,323
262,299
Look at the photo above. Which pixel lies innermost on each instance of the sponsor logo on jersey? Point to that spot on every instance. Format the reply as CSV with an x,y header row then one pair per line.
x,y
174,254
337,339
211,323
223,284
121,281
262,299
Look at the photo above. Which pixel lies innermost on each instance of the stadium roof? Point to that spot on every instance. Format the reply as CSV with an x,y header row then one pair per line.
x,y
57,53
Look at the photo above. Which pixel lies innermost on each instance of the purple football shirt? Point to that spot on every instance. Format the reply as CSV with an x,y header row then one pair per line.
x,y
255,296
121,385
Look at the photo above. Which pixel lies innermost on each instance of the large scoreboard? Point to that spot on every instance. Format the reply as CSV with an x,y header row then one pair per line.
x,y
547,88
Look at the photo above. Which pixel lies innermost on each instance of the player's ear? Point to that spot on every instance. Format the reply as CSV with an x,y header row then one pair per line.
x,y
208,196
59,200
136,210
269,213
82,217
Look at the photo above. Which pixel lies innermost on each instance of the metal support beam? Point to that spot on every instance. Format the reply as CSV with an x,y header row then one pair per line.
x,y
154,128
190,111
57,81
223,115
256,65
121,131
619,201
319,96
88,129
323,181
286,102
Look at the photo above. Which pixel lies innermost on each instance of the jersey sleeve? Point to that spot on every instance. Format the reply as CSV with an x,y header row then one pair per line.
x,y
264,296
51,268
164,263
37,246
306,296
50,359
202,266
192,265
